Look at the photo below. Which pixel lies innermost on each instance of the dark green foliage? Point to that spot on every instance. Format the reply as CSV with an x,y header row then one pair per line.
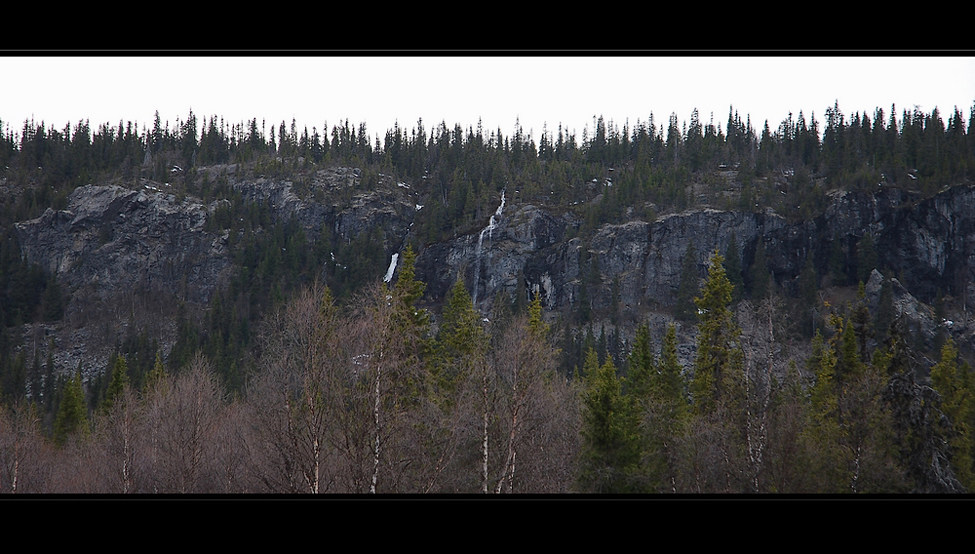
x,y
953,382
157,375
732,267
688,288
884,317
611,448
808,305
848,364
642,373
536,324
867,257
120,380
669,386
13,379
837,263
25,292
459,174
861,322
460,346
759,277
52,304
719,362
664,419
72,415
920,431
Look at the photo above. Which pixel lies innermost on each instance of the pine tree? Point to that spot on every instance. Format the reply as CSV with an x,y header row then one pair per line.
x,y
120,379
611,448
412,321
537,325
719,365
953,383
848,365
158,374
72,415
461,342
824,434
641,377
667,423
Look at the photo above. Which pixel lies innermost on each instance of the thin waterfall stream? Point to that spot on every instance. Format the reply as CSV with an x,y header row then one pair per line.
x,y
492,225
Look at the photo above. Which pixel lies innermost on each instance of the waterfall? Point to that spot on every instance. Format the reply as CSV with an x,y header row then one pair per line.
x,y
392,268
492,225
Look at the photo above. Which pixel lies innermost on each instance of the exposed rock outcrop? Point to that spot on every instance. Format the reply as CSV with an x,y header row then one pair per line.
x,y
334,199
929,243
112,239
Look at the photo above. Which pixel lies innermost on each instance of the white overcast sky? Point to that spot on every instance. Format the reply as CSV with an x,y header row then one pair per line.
x,y
535,90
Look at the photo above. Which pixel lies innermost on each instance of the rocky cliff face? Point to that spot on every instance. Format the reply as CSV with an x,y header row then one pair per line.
x,y
126,256
111,240
929,243
334,199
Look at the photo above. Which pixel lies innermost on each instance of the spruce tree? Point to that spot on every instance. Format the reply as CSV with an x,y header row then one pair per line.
x,y
719,365
954,383
611,449
409,289
72,415
848,365
666,426
461,343
642,372
157,376
537,325
116,387
412,322
824,435
669,385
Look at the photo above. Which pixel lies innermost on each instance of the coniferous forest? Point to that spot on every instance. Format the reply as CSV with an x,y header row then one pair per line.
x,y
306,371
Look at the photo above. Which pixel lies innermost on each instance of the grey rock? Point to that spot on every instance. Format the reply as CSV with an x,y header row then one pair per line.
x,y
111,240
114,239
930,243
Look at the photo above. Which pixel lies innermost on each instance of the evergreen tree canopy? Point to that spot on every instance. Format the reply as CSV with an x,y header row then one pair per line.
x,y
732,267
688,287
120,379
611,448
719,363
72,415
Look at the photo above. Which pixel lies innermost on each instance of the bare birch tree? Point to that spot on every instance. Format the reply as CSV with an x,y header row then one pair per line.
x,y
23,451
292,400
529,403
118,433
184,414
